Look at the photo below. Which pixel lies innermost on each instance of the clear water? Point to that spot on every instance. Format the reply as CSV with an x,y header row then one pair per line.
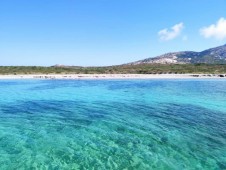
x,y
113,124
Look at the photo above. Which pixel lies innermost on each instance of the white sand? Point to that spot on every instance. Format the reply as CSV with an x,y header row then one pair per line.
x,y
113,76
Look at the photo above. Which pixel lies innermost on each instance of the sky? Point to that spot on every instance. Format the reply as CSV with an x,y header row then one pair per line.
x,y
106,32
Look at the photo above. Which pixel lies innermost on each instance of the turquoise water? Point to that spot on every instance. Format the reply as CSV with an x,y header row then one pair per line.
x,y
113,124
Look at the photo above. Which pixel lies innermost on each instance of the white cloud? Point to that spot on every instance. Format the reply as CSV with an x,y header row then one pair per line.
x,y
174,32
217,31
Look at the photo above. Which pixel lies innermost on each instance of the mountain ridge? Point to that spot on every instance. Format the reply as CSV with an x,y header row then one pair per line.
x,y
216,55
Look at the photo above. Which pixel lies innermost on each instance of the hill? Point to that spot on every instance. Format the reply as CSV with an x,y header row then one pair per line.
x,y
210,61
215,55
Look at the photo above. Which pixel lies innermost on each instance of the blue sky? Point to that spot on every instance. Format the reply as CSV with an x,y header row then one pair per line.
x,y
106,32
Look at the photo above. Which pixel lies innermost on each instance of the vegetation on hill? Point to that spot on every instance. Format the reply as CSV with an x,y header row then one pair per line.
x,y
121,69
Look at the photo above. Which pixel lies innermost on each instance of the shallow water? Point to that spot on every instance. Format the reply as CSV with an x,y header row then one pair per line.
x,y
113,124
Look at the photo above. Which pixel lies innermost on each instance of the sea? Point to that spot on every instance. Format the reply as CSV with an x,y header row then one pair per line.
x,y
147,124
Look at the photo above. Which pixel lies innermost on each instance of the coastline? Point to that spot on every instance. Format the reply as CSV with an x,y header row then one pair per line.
x,y
114,76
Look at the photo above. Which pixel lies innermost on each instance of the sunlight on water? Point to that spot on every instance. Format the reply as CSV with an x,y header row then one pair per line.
x,y
112,124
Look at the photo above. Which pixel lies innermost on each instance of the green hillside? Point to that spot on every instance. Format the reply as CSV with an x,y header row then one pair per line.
x,y
122,69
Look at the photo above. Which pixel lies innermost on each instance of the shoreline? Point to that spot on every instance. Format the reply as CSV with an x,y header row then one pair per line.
x,y
114,76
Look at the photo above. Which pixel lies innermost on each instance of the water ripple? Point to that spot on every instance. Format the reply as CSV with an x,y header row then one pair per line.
x,y
112,125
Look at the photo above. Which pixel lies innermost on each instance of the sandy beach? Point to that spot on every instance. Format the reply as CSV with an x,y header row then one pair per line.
x,y
114,76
